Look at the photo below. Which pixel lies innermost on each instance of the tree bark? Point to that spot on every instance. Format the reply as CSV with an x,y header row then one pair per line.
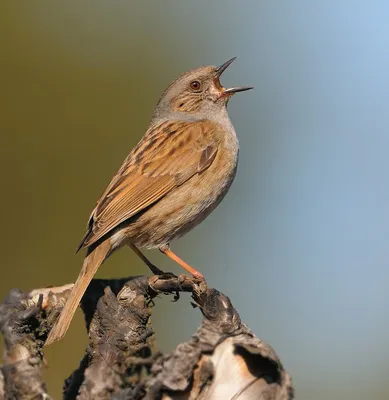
x,y
222,360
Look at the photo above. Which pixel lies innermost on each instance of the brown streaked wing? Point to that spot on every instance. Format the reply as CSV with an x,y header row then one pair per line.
x,y
167,156
207,157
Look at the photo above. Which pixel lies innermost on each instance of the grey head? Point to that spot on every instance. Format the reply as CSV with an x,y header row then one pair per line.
x,y
197,94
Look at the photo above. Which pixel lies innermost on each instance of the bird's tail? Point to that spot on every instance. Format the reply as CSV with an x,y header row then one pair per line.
x,y
91,263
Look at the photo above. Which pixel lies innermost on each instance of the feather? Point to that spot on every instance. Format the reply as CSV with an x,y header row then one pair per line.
x,y
168,155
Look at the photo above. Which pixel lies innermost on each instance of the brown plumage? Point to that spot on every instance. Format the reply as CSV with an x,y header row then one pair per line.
x,y
169,154
177,174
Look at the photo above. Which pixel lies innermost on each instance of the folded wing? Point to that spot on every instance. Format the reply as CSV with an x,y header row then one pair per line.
x,y
168,155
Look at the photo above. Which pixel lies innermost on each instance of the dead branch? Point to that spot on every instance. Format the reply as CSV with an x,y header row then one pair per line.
x,y
222,360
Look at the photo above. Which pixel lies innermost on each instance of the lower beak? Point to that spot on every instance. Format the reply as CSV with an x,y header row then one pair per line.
x,y
237,89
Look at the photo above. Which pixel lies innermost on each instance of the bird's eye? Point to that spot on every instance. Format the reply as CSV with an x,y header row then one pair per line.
x,y
195,85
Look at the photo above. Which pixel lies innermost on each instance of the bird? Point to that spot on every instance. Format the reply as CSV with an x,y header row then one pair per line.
x,y
171,181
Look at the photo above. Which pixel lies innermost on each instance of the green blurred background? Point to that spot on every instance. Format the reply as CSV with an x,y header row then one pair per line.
x,y
301,242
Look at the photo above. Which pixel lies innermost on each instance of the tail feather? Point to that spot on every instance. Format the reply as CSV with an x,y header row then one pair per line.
x,y
91,263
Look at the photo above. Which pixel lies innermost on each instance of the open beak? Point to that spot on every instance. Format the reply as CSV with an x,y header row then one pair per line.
x,y
229,92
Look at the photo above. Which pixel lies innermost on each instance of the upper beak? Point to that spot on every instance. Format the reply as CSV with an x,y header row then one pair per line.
x,y
223,67
231,91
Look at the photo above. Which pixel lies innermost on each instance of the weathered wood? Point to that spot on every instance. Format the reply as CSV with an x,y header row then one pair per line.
x,y
222,360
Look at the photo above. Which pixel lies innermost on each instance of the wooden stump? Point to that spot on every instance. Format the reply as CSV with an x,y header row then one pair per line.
x,y
223,359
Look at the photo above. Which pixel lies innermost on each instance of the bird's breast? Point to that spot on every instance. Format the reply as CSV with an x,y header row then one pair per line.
x,y
190,203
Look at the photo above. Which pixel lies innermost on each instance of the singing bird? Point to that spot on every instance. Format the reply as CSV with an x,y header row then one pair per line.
x,y
170,182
